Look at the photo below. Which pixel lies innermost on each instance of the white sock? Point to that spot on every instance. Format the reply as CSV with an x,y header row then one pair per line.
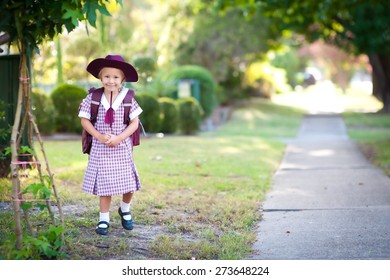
x,y
125,207
104,217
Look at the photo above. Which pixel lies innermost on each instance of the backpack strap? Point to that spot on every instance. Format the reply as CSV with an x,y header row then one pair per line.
x,y
95,103
127,102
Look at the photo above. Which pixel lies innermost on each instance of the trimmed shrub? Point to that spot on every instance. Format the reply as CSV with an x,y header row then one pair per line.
x,y
208,98
150,116
169,115
44,112
66,99
190,115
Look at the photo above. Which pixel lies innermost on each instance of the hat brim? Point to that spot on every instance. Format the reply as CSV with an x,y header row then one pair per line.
x,y
98,64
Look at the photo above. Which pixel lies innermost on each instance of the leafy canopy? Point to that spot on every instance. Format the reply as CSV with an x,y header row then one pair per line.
x,y
33,21
357,26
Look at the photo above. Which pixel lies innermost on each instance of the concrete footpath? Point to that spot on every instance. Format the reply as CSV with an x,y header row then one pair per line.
x,y
327,201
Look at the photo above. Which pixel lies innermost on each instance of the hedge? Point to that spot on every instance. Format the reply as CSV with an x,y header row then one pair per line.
x,y
169,115
66,99
208,96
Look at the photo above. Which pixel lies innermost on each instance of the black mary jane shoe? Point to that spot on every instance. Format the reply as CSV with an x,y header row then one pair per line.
x,y
102,230
126,224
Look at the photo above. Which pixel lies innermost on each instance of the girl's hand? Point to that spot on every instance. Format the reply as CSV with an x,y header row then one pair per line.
x,y
104,138
113,141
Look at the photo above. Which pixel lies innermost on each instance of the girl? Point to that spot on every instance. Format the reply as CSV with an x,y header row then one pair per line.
x,y
111,169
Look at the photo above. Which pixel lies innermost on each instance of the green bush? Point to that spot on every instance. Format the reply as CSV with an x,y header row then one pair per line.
x,y
150,116
44,112
66,100
146,66
264,80
169,115
208,96
190,115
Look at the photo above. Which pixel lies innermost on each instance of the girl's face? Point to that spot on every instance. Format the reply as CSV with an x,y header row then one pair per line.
x,y
111,78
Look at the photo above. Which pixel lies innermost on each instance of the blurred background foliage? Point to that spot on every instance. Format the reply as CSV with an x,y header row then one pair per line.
x,y
234,51
160,35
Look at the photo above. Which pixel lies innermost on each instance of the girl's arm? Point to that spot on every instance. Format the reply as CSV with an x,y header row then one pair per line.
x,y
116,139
87,125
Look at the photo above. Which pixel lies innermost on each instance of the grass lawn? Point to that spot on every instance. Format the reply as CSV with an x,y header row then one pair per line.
x,y
372,133
200,198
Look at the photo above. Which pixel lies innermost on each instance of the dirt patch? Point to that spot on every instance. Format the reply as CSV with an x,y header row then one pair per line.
x,y
119,244
138,240
368,151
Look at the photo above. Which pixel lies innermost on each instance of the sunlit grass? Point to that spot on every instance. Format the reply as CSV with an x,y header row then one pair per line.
x,y
372,132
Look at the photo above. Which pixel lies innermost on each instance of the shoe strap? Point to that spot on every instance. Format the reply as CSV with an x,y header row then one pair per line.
x,y
104,223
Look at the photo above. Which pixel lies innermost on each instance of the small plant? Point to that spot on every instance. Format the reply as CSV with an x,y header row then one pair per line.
x,y
40,192
5,156
47,243
45,246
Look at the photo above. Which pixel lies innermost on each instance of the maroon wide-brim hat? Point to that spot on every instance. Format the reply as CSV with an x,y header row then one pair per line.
x,y
113,61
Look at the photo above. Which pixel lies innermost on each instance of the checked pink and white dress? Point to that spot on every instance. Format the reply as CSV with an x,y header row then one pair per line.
x,y
110,170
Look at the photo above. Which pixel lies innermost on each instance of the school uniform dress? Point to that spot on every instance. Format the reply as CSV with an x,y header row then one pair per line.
x,y
110,170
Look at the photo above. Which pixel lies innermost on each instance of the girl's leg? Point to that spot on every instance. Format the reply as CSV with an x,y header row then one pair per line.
x,y
126,198
104,215
124,211
105,202
125,204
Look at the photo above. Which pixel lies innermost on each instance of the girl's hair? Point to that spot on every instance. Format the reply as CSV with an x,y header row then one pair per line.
x,y
100,73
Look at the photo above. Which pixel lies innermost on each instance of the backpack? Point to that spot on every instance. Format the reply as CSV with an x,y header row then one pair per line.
x,y
86,138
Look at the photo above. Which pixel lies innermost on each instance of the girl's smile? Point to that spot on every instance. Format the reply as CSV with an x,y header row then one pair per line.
x,y
112,79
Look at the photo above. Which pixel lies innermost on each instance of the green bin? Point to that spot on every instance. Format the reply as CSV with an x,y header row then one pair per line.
x,y
188,88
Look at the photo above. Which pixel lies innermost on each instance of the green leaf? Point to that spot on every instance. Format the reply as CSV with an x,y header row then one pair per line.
x,y
33,189
90,12
26,206
45,193
72,13
26,150
7,151
103,10
47,179
41,206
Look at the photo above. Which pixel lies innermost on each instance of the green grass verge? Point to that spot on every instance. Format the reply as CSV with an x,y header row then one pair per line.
x,y
201,194
372,132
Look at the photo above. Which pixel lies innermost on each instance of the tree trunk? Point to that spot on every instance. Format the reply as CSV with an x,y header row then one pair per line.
x,y
23,76
381,79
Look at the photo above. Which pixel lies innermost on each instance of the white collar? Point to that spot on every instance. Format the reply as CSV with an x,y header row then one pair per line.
x,y
117,101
